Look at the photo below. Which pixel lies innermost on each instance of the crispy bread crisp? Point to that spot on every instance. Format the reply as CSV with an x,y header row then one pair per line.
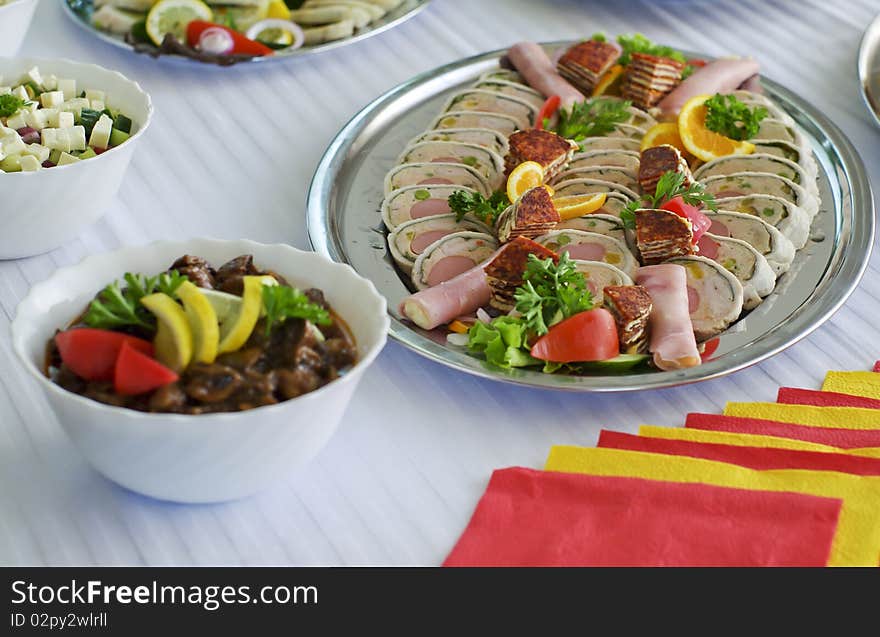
x,y
631,306
504,273
531,215
585,62
544,147
657,161
649,78
661,235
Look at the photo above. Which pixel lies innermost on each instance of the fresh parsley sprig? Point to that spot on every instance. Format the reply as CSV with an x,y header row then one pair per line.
x,y
669,186
728,116
462,202
551,292
282,302
11,104
117,306
592,118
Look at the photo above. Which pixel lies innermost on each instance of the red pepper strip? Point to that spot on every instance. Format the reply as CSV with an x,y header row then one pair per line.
x,y
588,336
240,44
136,373
91,354
700,222
548,109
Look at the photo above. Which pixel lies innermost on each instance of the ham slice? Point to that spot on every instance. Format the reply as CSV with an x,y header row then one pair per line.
x,y
672,335
440,304
721,76
538,69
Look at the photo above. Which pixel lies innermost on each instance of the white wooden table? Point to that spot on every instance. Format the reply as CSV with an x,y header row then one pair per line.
x,y
231,154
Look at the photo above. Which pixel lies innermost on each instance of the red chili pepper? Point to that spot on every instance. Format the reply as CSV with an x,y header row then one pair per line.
x,y
548,109
709,348
585,337
240,44
91,353
136,373
700,222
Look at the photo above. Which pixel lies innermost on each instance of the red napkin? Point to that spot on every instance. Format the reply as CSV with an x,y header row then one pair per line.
x,y
795,396
836,437
539,518
752,457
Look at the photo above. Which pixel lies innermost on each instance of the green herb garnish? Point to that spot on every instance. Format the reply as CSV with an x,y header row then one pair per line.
x,y
551,292
669,186
592,118
118,306
282,302
462,202
638,43
728,116
10,105
504,342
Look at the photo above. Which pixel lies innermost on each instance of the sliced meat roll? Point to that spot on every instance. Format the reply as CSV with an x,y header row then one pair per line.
x,y
626,159
499,122
411,239
744,262
600,275
491,102
608,225
485,137
615,175
585,186
715,296
591,246
771,128
432,173
503,74
417,202
749,183
486,162
629,132
802,156
788,218
758,163
515,89
450,256
770,242
640,118
610,143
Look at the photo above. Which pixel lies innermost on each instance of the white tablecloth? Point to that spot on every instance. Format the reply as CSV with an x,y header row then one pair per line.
x,y
231,153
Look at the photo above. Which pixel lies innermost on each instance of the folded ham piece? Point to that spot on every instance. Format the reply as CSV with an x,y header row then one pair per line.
x,y
672,336
721,76
442,303
533,63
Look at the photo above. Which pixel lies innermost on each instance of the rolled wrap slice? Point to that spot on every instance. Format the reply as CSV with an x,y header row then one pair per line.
x,y
788,218
751,183
802,156
626,159
508,75
742,261
759,234
614,174
410,239
533,63
610,143
435,173
609,225
758,163
588,185
417,202
718,76
499,122
515,89
485,137
771,129
491,102
672,339
486,162
600,275
451,255
591,246
714,295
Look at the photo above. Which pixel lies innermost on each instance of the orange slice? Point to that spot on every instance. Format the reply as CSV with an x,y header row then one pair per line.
x,y
699,140
663,133
527,175
574,206
609,84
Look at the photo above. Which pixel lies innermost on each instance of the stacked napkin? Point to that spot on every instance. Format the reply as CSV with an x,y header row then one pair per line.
x,y
791,483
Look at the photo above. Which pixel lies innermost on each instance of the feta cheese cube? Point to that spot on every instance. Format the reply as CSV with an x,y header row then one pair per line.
x,y
92,94
30,107
97,105
22,93
14,145
68,87
76,136
66,159
34,76
39,151
17,121
76,105
100,137
5,90
30,164
2,154
64,119
37,119
52,99
57,139
50,83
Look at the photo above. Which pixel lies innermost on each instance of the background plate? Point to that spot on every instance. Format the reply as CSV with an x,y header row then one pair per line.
x,y
80,12
869,68
345,224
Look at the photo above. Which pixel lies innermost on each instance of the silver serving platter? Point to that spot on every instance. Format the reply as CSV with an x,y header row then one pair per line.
x,y
78,10
344,223
869,68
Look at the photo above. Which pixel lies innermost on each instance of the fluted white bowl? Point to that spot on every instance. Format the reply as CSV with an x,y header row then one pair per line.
x,y
15,19
43,209
208,457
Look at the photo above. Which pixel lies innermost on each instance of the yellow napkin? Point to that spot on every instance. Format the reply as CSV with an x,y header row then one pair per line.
x,y
748,440
856,543
839,417
865,384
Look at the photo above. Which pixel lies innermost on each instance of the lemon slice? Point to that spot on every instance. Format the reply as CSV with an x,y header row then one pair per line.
x,y
278,9
202,322
576,206
235,332
226,306
174,340
528,175
702,142
610,83
172,16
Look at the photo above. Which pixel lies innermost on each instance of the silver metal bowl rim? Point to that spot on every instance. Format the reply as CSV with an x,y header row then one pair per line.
x,y
845,270
871,33
295,54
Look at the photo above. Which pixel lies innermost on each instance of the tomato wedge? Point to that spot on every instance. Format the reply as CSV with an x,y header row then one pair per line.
x,y
548,110
588,336
700,221
136,373
240,44
92,353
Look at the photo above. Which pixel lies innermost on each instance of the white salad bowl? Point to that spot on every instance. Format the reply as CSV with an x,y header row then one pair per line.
x,y
15,18
41,210
208,457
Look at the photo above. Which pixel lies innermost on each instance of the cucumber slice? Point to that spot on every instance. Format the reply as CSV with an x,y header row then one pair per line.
x,y
54,155
118,137
88,153
616,365
122,123
11,164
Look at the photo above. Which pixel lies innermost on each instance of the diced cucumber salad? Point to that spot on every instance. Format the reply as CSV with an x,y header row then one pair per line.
x,y
48,121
